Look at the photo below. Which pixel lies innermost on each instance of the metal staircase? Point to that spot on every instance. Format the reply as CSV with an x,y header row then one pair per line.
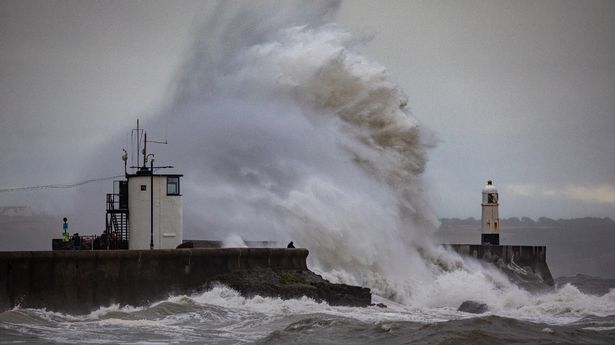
x,y
117,227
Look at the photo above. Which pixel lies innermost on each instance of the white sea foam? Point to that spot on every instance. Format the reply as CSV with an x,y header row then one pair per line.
x,y
242,307
114,308
600,329
130,323
563,306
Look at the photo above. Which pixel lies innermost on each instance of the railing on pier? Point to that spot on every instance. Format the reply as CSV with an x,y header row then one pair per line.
x,y
80,242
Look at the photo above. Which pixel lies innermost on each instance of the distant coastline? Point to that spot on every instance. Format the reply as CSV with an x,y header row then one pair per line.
x,y
526,222
575,246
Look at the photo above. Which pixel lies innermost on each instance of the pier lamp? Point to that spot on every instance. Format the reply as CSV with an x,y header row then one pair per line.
x,y
151,203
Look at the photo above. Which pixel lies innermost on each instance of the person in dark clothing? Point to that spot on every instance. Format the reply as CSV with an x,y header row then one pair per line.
x,y
290,245
76,241
103,240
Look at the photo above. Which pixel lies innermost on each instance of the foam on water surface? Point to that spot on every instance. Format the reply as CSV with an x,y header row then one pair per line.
x,y
223,316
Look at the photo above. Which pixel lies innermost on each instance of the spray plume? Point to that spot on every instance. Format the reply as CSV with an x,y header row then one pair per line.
x,y
290,133
287,133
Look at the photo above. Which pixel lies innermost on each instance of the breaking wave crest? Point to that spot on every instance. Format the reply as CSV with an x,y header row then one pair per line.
x,y
288,132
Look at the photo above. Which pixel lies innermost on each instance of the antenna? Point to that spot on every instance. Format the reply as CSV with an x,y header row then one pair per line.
x,y
145,141
138,142
125,159
140,133
137,132
145,151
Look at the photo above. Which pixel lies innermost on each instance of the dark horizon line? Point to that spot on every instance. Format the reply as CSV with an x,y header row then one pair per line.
x,y
537,220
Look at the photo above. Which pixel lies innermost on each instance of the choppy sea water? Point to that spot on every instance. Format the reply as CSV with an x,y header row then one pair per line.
x,y
222,316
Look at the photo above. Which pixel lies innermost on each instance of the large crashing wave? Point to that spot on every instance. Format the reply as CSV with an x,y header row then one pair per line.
x,y
287,132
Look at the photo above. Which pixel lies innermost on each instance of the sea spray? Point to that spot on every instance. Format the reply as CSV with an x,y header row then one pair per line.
x,y
233,241
287,132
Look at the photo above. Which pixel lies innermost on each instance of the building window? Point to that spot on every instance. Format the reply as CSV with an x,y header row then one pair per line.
x,y
143,187
173,185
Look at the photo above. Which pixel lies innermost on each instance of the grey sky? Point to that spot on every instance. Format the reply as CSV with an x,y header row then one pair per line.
x,y
519,92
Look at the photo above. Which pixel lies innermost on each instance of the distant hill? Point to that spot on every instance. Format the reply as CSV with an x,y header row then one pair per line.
x,y
525,222
574,246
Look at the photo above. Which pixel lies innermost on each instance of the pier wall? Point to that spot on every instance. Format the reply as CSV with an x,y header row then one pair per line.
x,y
80,281
524,264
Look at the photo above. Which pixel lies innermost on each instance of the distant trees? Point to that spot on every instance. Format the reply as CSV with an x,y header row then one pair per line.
x,y
526,222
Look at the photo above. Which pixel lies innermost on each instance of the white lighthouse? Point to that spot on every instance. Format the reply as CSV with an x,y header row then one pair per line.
x,y
490,220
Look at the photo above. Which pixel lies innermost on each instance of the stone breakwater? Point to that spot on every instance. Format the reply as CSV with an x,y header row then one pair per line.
x,y
82,281
524,265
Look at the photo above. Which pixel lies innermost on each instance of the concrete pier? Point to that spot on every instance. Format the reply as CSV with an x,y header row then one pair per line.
x,y
525,265
80,281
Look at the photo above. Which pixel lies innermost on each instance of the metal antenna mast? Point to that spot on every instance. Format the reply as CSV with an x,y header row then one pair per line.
x,y
136,132
145,141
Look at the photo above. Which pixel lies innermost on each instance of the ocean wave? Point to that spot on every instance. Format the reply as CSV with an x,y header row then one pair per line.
x,y
221,304
223,316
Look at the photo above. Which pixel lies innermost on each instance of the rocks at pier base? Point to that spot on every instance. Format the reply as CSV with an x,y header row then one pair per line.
x,y
288,284
473,307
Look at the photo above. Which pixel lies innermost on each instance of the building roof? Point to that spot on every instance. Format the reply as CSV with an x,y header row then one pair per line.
x,y
147,175
489,188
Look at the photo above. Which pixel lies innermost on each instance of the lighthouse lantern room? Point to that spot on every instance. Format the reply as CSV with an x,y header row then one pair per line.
x,y
490,219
